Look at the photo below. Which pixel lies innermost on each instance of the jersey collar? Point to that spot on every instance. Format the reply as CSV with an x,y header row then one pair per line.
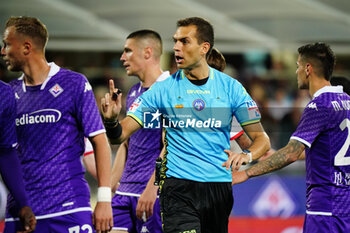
x,y
53,70
211,75
329,89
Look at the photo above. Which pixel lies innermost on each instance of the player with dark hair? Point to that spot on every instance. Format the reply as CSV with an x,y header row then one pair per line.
x,y
135,203
323,132
196,103
56,108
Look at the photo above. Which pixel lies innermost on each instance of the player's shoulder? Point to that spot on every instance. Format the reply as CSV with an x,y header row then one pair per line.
x,y
224,78
166,83
5,91
70,75
4,87
16,82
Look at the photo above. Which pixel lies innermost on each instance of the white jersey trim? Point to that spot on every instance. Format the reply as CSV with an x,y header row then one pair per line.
x,y
53,70
330,89
120,228
301,140
129,194
163,76
318,213
97,132
82,209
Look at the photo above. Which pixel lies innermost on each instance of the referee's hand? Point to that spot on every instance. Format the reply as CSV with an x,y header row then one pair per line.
x,y
235,161
111,104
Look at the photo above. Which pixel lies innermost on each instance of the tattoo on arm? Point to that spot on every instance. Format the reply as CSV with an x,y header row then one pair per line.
x,y
279,159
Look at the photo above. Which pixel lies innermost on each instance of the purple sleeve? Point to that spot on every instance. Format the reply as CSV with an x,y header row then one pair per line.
x,y
12,175
88,114
8,137
313,121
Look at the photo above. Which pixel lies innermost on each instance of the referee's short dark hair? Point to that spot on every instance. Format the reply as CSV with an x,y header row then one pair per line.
x,y
205,31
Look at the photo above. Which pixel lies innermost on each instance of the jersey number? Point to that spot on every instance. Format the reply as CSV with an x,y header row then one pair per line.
x,y
76,229
340,159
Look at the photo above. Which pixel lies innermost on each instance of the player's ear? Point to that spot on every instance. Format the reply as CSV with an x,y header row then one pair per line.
x,y
27,47
308,69
147,52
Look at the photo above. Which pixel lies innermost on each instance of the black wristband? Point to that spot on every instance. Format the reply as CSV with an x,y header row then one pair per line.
x,y
110,124
114,132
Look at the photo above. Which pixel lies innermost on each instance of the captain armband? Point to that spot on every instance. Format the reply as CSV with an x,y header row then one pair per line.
x,y
113,129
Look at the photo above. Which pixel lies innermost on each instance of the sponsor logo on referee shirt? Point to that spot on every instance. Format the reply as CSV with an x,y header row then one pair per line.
x,y
135,105
155,120
152,120
253,110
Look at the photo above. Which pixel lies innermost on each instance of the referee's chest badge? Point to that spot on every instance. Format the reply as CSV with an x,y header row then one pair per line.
x,y
198,104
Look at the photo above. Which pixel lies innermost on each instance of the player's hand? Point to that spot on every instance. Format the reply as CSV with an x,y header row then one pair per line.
x,y
235,161
239,177
110,104
27,219
145,204
102,218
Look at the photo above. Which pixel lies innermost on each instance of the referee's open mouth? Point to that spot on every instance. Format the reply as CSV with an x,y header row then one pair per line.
x,y
179,59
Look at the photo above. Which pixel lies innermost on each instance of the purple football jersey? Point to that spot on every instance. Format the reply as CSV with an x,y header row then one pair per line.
x,y
52,120
324,129
144,147
7,117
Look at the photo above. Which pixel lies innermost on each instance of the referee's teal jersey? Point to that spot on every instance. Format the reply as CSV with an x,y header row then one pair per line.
x,y
197,120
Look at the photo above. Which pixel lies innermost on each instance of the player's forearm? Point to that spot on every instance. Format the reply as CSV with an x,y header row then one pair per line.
x,y
12,175
260,145
150,184
122,131
103,160
244,141
278,160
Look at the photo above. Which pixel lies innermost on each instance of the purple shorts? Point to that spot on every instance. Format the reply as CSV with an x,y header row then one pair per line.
x,y
326,224
124,216
79,222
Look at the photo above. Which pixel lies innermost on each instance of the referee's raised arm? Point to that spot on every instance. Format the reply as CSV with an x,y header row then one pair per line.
x,y
111,106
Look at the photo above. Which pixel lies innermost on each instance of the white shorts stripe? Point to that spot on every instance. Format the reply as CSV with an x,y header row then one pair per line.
x,y
129,194
318,213
82,209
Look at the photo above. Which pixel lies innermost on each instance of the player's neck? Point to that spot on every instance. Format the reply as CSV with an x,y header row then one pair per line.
x,y
197,73
36,71
150,76
316,84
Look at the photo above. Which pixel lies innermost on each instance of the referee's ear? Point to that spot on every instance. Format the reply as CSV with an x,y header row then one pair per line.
x,y
205,47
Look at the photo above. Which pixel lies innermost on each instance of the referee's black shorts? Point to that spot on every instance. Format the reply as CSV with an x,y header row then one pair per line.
x,y
195,207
